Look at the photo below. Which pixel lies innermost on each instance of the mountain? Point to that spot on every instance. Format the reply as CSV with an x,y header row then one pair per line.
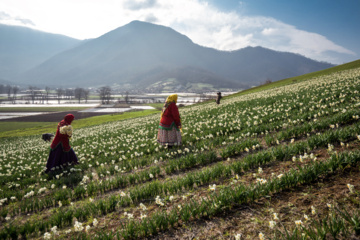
x,y
23,48
146,56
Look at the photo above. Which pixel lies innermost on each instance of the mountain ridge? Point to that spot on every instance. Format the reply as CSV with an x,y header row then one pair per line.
x,y
23,48
142,53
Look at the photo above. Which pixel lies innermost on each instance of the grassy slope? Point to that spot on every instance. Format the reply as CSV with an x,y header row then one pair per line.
x,y
287,81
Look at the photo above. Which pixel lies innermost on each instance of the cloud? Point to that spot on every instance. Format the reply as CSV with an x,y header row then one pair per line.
x,y
135,5
6,18
210,27
285,37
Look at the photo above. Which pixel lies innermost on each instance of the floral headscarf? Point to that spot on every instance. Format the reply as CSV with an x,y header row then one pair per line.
x,y
172,98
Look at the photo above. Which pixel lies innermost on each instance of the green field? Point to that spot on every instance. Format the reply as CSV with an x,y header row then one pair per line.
x,y
23,126
17,129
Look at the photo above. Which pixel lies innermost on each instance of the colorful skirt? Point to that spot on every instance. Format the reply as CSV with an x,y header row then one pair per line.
x,y
58,158
169,137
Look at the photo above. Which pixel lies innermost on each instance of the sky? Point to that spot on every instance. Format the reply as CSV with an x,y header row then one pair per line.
x,y
324,30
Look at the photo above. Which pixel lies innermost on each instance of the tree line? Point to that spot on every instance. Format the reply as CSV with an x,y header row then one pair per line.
x,y
33,93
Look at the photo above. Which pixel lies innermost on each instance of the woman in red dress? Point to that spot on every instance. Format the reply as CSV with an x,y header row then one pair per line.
x,y
61,152
169,132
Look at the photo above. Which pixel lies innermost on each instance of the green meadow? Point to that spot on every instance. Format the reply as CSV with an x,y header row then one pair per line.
x,y
17,129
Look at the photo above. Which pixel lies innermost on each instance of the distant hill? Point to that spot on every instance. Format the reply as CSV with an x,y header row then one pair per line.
x,y
142,55
23,48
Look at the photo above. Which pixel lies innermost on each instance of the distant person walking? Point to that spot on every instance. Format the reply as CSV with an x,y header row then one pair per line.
x,y
61,153
169,132
218,97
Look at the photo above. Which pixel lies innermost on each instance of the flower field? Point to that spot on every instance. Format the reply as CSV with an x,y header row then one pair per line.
x,y
240,167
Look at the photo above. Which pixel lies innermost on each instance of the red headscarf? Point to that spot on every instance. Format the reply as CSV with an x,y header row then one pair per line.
x,y
68,119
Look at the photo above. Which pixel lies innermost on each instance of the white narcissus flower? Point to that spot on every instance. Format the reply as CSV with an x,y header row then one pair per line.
x,y
78,226
313,211
212,187
143,207
261,236
47,236
158,201
95,222
298,222
238,236
272,224
351,188
67,130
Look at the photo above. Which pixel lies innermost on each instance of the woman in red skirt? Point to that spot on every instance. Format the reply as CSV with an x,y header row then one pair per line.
x,y
61,152
169,132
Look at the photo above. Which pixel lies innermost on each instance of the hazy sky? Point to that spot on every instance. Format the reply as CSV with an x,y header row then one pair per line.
x,y
325,30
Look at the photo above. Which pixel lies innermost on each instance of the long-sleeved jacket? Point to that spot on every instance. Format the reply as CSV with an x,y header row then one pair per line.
x,y
170,118
62,139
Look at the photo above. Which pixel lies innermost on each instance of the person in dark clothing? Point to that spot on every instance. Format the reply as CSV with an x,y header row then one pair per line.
x,y
61,152
218,97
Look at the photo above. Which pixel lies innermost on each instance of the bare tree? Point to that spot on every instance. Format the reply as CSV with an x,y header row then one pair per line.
x,y
8,89
47,90
59,93
33,93
105,94
78,93
15,91
86,94
126,97
108,95
69,93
